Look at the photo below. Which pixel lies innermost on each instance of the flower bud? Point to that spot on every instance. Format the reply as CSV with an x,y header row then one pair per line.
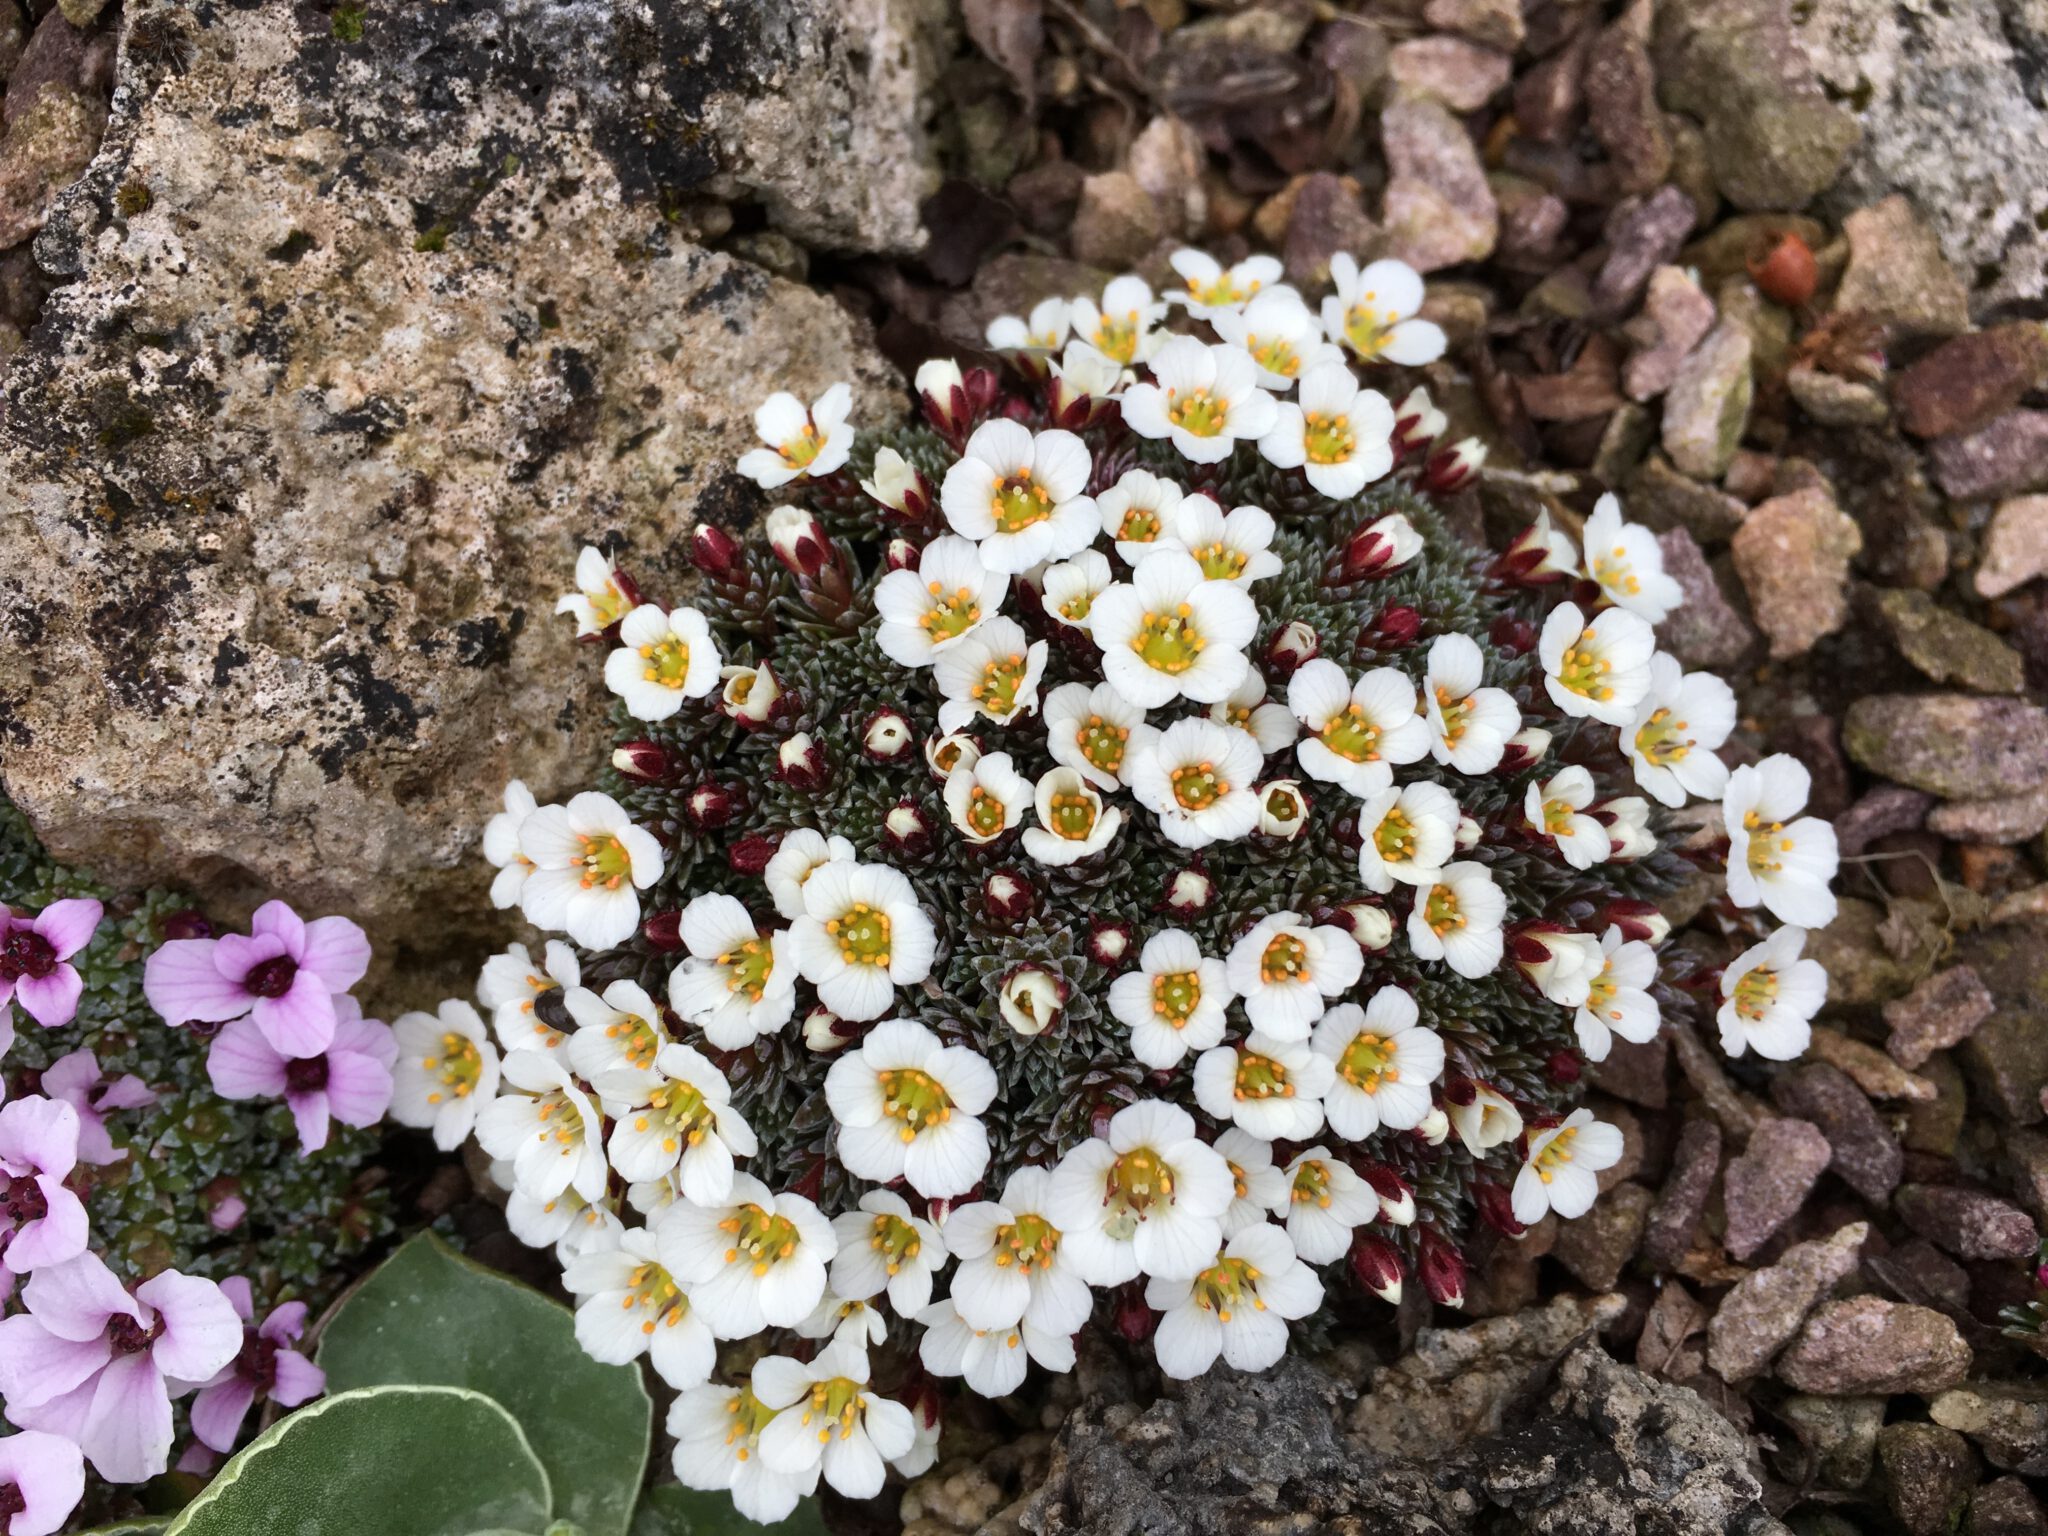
x,y
956,749
644,760
227,1213
1538,556
901,555
717,554
1134,1320
710,806
1396,627
1468,833
800,762
1007,897
1560,963
1628,825
750,855
1417,424
906,830
1513,634
1372,927
1381,548
1525,749
1495,1209
1434,1129
1031,1000
1377,1264
825,1032
1109,942
798,540
1451,469
1283,810
187,923
1081,387
1443,1269
750,693
1397,1200
1636,919
1563,1068
663,930
898,486
954,401
1188,891
886,736
1292,644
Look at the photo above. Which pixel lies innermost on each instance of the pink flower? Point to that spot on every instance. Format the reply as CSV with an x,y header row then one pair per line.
x,y
96,1365
285,975
267,1367
349,1081
42,1478
34,956
41,1222
75,1079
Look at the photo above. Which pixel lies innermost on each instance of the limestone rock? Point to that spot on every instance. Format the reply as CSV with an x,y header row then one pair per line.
x,y
1946,646
1765,1186
1707,408
1897,274
1438,210
301,458
1950,744
1765,1307
2008,1420
2015,546
1867,1345
1793,554
2004,458
1928,1473
1938,1013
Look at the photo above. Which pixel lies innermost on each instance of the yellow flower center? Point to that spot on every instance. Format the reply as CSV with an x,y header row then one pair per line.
x,y
985,813
1260,1077
863,935
605,861
948,618
1001,681
760,1237
1226,1286
1367,1062
1137,1179
1140,526
1196,786
1756,992
1557,817
1030,1242
1455,713
1765,842
1276,355
896,1240
1102,743
667,662
1198,413
651,1289
1352,736
1328,439
1556,1152
1366,327
1073,817
1169,642
915,1098
1117,339
458,1066
681,1113
1219,562
1311,1184
1659,741
835,1407
1613,572
749,1417
641,1039
1175,996
1285,960
800,450
1394,837
560,1120
1581,669
748,968
1019,502
1600,996
1441,912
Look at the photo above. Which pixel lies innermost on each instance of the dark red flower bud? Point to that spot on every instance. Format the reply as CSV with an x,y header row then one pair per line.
x,y
716,553
750,855
1007,897
1512,634
664,930
1459,1091
1640,920
901,555
1450,469
906,830
1397,626
798,540
710,806
1292,644
647,761
800,762
1109,942
887,736
1134,1320
187,923
1397,1200
1564,1068
1188,891
1377,1264
1495,1208
1443,1269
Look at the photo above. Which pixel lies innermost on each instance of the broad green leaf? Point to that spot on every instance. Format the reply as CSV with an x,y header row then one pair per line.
x,y
396,1460
673,1510
430,1315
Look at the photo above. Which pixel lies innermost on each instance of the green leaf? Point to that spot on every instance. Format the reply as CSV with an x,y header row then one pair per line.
x,y
145,1526
430,1315
673,1510
396,1460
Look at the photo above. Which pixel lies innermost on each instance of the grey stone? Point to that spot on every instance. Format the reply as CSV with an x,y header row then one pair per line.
x,y
1793,555
1707,407
2015,546
2005,1507
1867,1345
1461,75
1641,238
1766,1307
2006,1056
1834,401
2008,1420
1950,744
2003,819
1897,274
2005,457
1840,1433
1597,1246
1765,1186
1438,209
1695,1164
1946,646
1866,1153
1938,1013
1928,1474
1966,1222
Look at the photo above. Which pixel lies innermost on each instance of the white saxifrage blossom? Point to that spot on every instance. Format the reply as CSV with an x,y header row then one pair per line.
x,y
1124,327
1137,513
629,1306
738,982
1769,996
683,1125
546,1127
1374,313
1095,731
1326,1203
796,857
1070,588
1258,1188
1282,334
802,442
1213,290
1146,1199
1562,965
1618,1001
447,1069
1199,779
1358,731
1174,1002
1074,823
618,1035
1598,669
1406,835
1043,330
1338,435
992,673
512,985
830,1420
1173,632
1285,969
501,846
1456,918
590,862
663,659
992,1361
906,1108
884,1246
600,599
1678,727
1233,546
1625,562
717,1431
1238,1307
1556,808
947,597
757,1261
1486,1120
1272,1088
1562,1171
986,800
1777,858
1469,725
1268,722
1205,399
1021,496
1012,1269
1383,1065
862,935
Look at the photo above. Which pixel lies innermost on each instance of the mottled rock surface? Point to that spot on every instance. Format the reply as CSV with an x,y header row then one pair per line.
x,y
302,456
1950,744
1764,1308
1793,554
1868,1345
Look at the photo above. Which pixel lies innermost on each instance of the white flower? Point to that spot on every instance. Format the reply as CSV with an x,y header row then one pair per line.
x,y
447,1070
896,481
628,1306
1372,926
1272,1088
1677,728
1237,1307
717,1432
801,442
1258,1188
599,600
884,1246
987,799
1282,334
501,846
663,658
1562,1170
1268,721
994,673
1627,564
1284,969
1125,327
1556,808
1769,996
1325,1202
511,985
1372,312
1385,1064
1773,859
589,862
830,1420
1044,331
547,1128
1137,512
1469,726
948,597
1619,1002
1070,588
618,1035
1562,965
568,1223
738,982
955,749
749,693
1382,546
1406,834
1456,919
1628,828
1174,1002
1021,495
1357,730
1227,548
1599,670
907,1106
683,1123
861,936
757,1261
1172,632
799,855
1338,435
1082,376
991,1360
1200,779
1283,809
1012,1265
1073,822
1031,999
1147,1199
859,1323
1541,553
1096,731
1205,398
1486,1122
1214,289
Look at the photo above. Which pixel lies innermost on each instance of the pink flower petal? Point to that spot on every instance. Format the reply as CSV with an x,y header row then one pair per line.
x,y
298,1379
73,1300
301,1023
39,1133
51,1000
36,1366
127,1431
309,1114
125,1092
218,1411
243,1064
286,1323
183,983
201,1333
358,1088
360,1036
236,956
56,1236
49,1474
236,1289
69,924
277,920
336,951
